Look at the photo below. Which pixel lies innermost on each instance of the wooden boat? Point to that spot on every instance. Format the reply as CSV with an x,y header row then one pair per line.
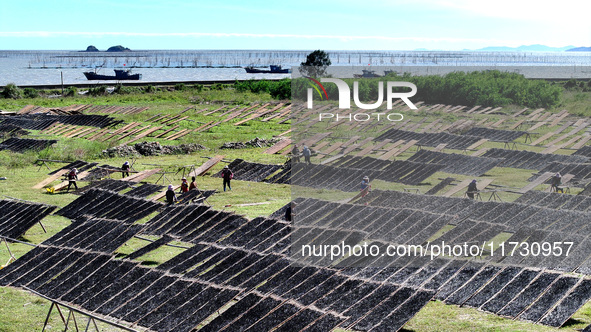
x,y
273,70
120,74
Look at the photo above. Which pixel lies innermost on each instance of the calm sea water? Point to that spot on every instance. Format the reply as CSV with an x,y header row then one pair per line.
x,y
46,67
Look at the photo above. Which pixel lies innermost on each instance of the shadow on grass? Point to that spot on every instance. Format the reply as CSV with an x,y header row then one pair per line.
x,y
150,263
573,322
20,238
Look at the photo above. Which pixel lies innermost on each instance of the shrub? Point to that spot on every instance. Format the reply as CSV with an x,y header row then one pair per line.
x,y
277,89
31,93
218,86
125,90
180,87
281,89
487,88
99,90
12,91
71,91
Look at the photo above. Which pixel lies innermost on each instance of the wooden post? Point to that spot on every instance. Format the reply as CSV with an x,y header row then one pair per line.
x,y
68,321
9,252
44,230
74,318
47,318
60,312
88,325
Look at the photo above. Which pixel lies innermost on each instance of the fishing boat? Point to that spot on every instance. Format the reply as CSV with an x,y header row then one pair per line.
x,y
366,74
120,74
274,69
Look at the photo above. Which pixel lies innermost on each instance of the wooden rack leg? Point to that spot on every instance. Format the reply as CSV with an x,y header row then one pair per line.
x,y
9,251
68,321
88,324
47,318
44,230
61,314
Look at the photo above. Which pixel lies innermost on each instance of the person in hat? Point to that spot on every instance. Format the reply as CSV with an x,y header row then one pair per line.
x,y
125,169
472,189
192,185
365,186
556,182
227,175
184,185
170,195
72,178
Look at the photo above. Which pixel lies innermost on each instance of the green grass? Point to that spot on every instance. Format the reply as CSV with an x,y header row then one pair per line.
x,y
437,316
576,102
21,311
164,97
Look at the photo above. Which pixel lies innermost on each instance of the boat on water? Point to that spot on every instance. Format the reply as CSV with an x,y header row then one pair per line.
x,y
366,74
120,74
274,69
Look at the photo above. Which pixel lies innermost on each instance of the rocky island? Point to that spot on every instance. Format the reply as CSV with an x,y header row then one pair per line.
x,y
117,48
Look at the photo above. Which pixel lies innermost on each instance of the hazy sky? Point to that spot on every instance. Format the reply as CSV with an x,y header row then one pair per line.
x,y
304,24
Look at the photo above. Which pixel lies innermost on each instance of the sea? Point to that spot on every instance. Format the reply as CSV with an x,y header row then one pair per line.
x,y
29,68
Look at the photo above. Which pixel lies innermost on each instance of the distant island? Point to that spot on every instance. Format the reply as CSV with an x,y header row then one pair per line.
x,y
117,48
580,49
527,48
522,48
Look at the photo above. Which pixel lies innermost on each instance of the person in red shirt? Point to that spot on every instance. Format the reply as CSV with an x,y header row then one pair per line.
x,y
227,175
72,178
184,185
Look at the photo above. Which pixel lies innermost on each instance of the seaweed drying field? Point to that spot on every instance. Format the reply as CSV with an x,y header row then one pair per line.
x,y
253,269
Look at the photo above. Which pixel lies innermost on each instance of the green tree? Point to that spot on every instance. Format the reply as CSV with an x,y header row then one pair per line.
x,y
316,64
12,91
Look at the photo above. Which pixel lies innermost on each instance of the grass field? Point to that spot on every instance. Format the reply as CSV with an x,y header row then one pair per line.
x,y
21,311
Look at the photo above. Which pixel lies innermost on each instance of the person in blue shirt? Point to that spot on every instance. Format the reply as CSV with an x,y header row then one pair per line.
x,y
365,186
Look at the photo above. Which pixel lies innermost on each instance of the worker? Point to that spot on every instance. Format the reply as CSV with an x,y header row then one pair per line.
x,y
307,153
170,195
289,211
192,185
365,186
472,189
295,154
72,177
184,185
556,182
125,169
227,175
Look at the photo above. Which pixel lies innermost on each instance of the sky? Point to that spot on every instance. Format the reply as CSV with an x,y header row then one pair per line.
x,y
292,25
